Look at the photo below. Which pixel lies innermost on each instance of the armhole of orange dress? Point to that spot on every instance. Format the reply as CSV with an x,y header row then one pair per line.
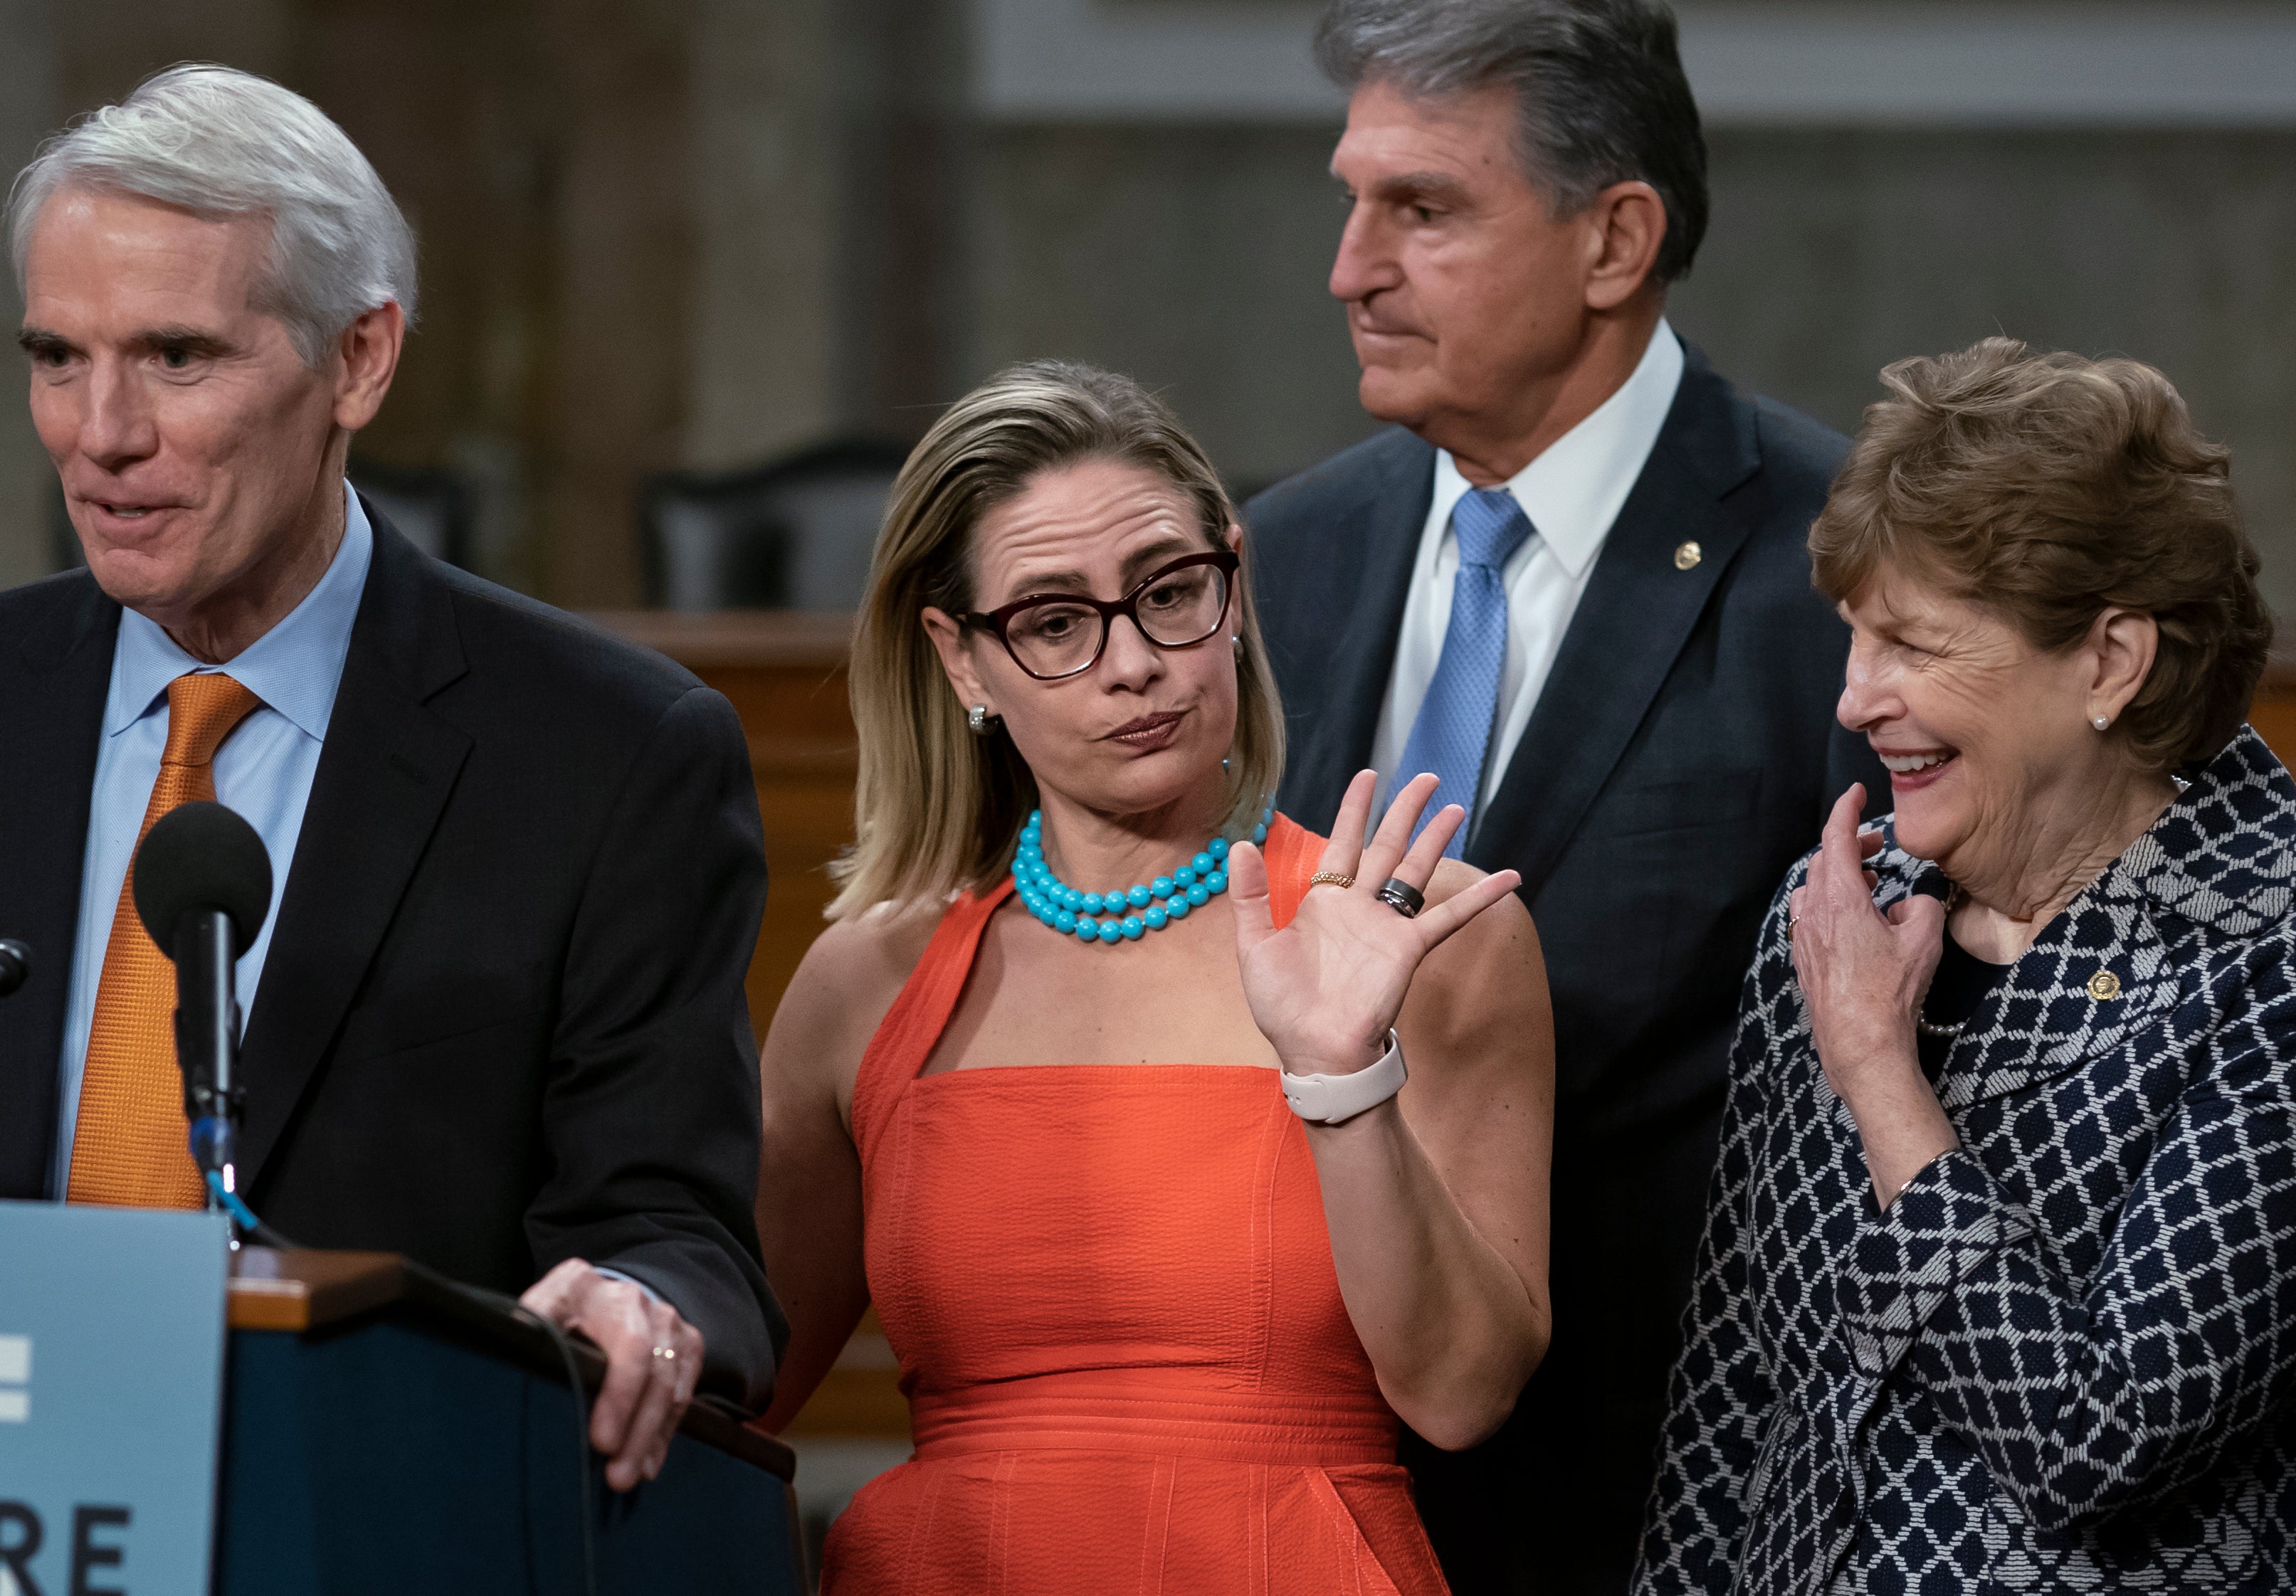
x,y
1292,851
905,1037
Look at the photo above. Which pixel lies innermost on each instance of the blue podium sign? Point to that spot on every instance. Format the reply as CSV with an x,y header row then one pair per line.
x,y
112,1341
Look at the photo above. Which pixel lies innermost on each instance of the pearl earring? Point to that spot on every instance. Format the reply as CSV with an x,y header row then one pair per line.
x,y
2100,721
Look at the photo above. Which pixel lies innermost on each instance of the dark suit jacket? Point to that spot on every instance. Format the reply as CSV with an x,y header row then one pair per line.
x,y
1683,753
501,1022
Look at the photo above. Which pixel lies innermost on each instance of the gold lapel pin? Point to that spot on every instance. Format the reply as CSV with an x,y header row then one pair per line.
x,y
1687,554
2103,984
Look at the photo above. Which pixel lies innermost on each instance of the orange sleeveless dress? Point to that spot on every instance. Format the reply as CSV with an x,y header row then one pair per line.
x,y
1110,1291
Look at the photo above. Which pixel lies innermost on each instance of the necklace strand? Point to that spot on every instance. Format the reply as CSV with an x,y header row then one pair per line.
x,y
1130,913
1921,1021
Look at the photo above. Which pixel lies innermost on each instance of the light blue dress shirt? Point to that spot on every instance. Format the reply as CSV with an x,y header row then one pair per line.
x,y
263,770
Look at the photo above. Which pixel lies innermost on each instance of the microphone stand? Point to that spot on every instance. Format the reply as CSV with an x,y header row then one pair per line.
x,y
206,1047
202,885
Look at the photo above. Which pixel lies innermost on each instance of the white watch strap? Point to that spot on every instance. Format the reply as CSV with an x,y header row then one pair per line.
x,y
1331,1099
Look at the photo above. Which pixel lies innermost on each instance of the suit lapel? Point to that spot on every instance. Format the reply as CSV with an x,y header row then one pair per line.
x,y
1375,540
383,780
1637,611
50,727
2105,968
2048,1018
2103,971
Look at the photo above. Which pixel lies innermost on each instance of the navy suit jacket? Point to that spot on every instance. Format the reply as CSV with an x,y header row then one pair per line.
x,y
1682,754
501,1021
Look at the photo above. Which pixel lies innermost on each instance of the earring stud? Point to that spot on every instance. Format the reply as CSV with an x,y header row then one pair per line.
x,y
2100,721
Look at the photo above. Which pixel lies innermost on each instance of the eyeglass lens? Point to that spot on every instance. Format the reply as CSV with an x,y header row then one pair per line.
x,y
1175,608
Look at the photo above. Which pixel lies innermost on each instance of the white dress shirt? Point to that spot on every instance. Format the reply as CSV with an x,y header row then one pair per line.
x,y
1571,492
263,770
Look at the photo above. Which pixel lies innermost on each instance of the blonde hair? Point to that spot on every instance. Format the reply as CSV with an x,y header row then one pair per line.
x,y
935,809
2048,489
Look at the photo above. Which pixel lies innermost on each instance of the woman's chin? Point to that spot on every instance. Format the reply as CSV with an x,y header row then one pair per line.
x,y
1925,826
1149,783
1179,766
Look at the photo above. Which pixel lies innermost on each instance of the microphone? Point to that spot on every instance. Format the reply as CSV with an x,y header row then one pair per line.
x,y
203,891
16,964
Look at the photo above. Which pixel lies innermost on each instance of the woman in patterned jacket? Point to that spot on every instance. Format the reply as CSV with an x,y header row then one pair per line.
x,y
1999,1285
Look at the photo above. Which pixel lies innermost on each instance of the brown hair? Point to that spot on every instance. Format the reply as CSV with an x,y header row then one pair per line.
x,y
2048,489
936,808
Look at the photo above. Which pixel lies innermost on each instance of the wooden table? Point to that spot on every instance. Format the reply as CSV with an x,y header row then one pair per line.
x,y
785,673
2272,713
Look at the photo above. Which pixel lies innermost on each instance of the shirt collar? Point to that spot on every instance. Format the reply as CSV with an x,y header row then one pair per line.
x,y
1574,490
2224,854
294,668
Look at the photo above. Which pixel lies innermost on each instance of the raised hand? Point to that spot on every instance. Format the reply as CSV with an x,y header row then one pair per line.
x,y
1326,989
1863,974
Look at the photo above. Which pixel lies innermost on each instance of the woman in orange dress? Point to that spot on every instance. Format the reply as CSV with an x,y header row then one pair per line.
x,y
1093,1085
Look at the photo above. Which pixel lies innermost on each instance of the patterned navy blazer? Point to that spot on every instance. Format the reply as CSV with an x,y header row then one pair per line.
x,y
2061,1360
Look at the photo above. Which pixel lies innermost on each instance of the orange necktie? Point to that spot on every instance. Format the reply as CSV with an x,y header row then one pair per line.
x,y
132,1146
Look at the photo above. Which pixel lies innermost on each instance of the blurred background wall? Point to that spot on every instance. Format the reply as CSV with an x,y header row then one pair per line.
x,y
696,237
701,233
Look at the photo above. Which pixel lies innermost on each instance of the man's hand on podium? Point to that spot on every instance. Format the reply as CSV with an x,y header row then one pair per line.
x,y
653,1360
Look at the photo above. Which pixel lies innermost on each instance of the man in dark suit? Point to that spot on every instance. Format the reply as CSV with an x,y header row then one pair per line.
x,y
494,1021
1572,581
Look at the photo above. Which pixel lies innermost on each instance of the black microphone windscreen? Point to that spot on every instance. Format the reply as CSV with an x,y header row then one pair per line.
x,y
16,964
202,857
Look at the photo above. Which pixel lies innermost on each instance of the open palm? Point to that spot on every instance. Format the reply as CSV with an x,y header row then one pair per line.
x,y
1326,989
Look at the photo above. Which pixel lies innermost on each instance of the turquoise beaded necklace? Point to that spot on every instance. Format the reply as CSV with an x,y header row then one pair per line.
x,y
1142,907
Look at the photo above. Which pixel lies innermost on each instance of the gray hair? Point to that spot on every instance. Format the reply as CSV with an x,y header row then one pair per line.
x,y
1598,83
219,142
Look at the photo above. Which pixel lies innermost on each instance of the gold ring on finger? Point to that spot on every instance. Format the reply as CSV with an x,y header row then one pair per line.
x,y
667,1354
1330,878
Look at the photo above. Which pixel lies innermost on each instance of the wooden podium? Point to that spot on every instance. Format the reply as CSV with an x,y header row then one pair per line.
x,y
387,1431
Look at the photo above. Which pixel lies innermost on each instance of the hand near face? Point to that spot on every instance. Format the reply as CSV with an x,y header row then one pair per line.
x,y
1326,989
1863,974
646,1393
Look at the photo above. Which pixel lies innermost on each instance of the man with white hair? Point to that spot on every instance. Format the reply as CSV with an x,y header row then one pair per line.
x,y
494,1021
1569,578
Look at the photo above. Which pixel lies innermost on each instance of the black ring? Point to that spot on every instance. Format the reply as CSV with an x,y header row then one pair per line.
x,y
1403,897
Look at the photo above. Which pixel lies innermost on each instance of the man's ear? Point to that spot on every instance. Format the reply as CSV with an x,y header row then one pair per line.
x,y
367,358
956,661
1627,228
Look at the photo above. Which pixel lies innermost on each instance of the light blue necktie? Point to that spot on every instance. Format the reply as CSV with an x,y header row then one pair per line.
x,y
1452,732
